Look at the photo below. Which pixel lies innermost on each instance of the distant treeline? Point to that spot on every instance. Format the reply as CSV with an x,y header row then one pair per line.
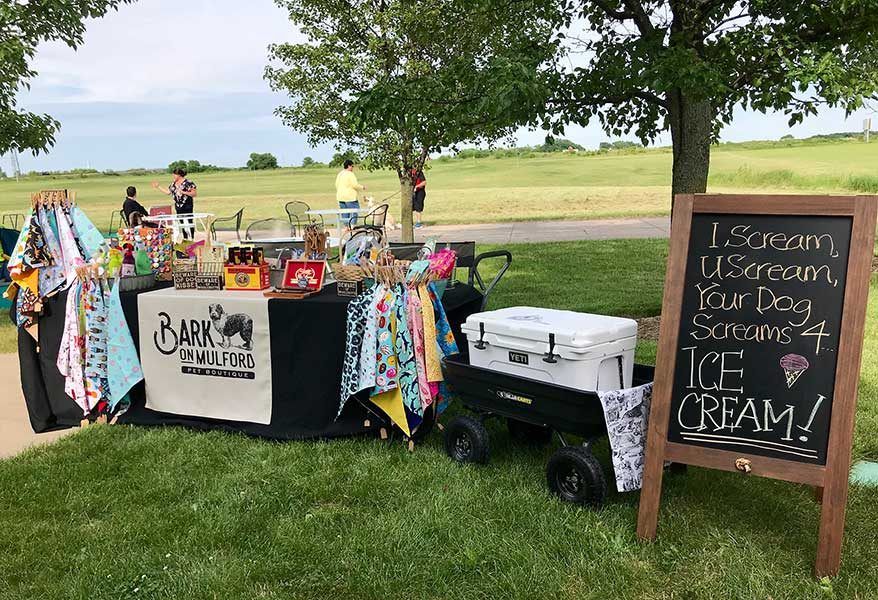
x,y
259,161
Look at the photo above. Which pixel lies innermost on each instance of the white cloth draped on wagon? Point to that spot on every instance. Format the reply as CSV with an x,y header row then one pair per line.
x,y
627,414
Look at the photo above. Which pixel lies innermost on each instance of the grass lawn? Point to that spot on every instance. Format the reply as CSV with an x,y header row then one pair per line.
x,y
556,186
123,512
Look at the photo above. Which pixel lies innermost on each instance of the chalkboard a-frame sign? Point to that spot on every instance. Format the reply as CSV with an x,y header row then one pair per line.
x,y
760,345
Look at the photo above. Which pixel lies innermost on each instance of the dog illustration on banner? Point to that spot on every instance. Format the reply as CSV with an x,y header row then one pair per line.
x,y
230,325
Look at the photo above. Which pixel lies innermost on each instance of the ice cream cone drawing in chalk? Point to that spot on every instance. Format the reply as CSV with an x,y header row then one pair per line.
x,y
793,366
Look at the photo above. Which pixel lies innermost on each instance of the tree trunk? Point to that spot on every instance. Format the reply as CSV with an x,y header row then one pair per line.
x,y
405,204
691,123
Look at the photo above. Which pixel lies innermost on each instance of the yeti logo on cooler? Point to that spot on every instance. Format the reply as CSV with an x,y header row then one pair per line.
x,y
518,358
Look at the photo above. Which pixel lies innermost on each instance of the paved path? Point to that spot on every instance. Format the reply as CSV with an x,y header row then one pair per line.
x,y
15,431
546,231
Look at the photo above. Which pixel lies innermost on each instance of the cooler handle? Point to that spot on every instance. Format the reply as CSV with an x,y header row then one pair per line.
x,y
480,345
550,356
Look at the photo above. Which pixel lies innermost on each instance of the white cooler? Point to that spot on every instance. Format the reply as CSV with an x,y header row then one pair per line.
x,y
578,350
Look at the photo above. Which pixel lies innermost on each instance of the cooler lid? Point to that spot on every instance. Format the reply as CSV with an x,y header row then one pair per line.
x,y
573,329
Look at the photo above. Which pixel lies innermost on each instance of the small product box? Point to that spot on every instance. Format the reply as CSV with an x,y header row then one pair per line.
x,y
579,350
247,277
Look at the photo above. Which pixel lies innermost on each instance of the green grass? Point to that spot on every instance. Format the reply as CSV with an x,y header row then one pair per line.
x,y
547,186
172,513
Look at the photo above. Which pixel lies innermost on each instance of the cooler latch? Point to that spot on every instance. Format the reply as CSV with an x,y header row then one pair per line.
x,y
480,345
550,356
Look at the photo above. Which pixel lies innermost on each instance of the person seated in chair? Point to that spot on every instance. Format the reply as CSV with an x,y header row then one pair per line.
x,y
134,210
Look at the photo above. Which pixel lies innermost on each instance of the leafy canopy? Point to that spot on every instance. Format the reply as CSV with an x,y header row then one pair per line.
x,y
395,80
24,24
785,55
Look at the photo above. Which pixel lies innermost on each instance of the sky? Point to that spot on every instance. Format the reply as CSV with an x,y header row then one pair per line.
x,y
162,80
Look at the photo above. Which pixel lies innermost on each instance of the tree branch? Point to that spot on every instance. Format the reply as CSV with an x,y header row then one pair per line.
x,y
619,15
641,18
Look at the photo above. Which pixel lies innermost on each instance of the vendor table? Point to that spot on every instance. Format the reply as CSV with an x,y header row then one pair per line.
x,y
307,344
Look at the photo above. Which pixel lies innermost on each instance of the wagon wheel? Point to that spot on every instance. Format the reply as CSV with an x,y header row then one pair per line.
x,y
528,433
466,440
575,475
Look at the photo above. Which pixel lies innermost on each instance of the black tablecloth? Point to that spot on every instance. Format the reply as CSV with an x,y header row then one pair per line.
x,y
307,354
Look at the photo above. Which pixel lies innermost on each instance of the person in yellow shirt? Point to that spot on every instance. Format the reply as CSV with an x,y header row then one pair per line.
x,y
347,190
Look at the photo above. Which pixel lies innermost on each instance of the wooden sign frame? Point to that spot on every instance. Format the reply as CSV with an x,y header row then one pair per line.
x,y
830,480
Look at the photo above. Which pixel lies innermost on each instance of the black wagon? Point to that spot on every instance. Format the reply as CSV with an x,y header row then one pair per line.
x,y
533,411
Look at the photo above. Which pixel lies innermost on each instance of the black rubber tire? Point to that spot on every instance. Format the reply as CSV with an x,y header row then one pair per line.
x,y
426,426
535,435
466,440
575,475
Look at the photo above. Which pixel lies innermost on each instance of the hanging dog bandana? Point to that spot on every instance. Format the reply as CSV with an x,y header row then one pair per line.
x,y
52,277
444,335
36,253
71,353
69,245
408,370
90,239
356,325
627,415
416,327
386,363
96,359
447,346
123,370
431,345
368,354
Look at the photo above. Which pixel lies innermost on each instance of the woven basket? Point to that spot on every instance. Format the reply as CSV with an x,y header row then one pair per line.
x,y
349,273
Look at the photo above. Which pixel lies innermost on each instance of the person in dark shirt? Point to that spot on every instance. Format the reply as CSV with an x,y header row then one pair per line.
x,y
419,194
183,191
134,210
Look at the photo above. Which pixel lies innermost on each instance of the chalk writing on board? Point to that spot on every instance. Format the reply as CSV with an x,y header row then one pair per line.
x,y
759,328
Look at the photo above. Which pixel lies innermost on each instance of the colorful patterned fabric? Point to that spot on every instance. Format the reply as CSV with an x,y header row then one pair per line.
x,y
447,346
416,327
444,335
91,241
69,245
96,358
123,370
386,363
36,252
368,352
408,370
356,325
431,349
71,353
51,277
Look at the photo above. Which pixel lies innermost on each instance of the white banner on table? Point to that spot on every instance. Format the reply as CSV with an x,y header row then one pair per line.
x,y
206,354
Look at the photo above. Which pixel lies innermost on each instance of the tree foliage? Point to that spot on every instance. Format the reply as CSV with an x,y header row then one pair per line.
x,y
262,161
395,80
23,26
646,66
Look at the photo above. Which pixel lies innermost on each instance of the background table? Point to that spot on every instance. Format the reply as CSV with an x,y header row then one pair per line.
x,y
307,354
